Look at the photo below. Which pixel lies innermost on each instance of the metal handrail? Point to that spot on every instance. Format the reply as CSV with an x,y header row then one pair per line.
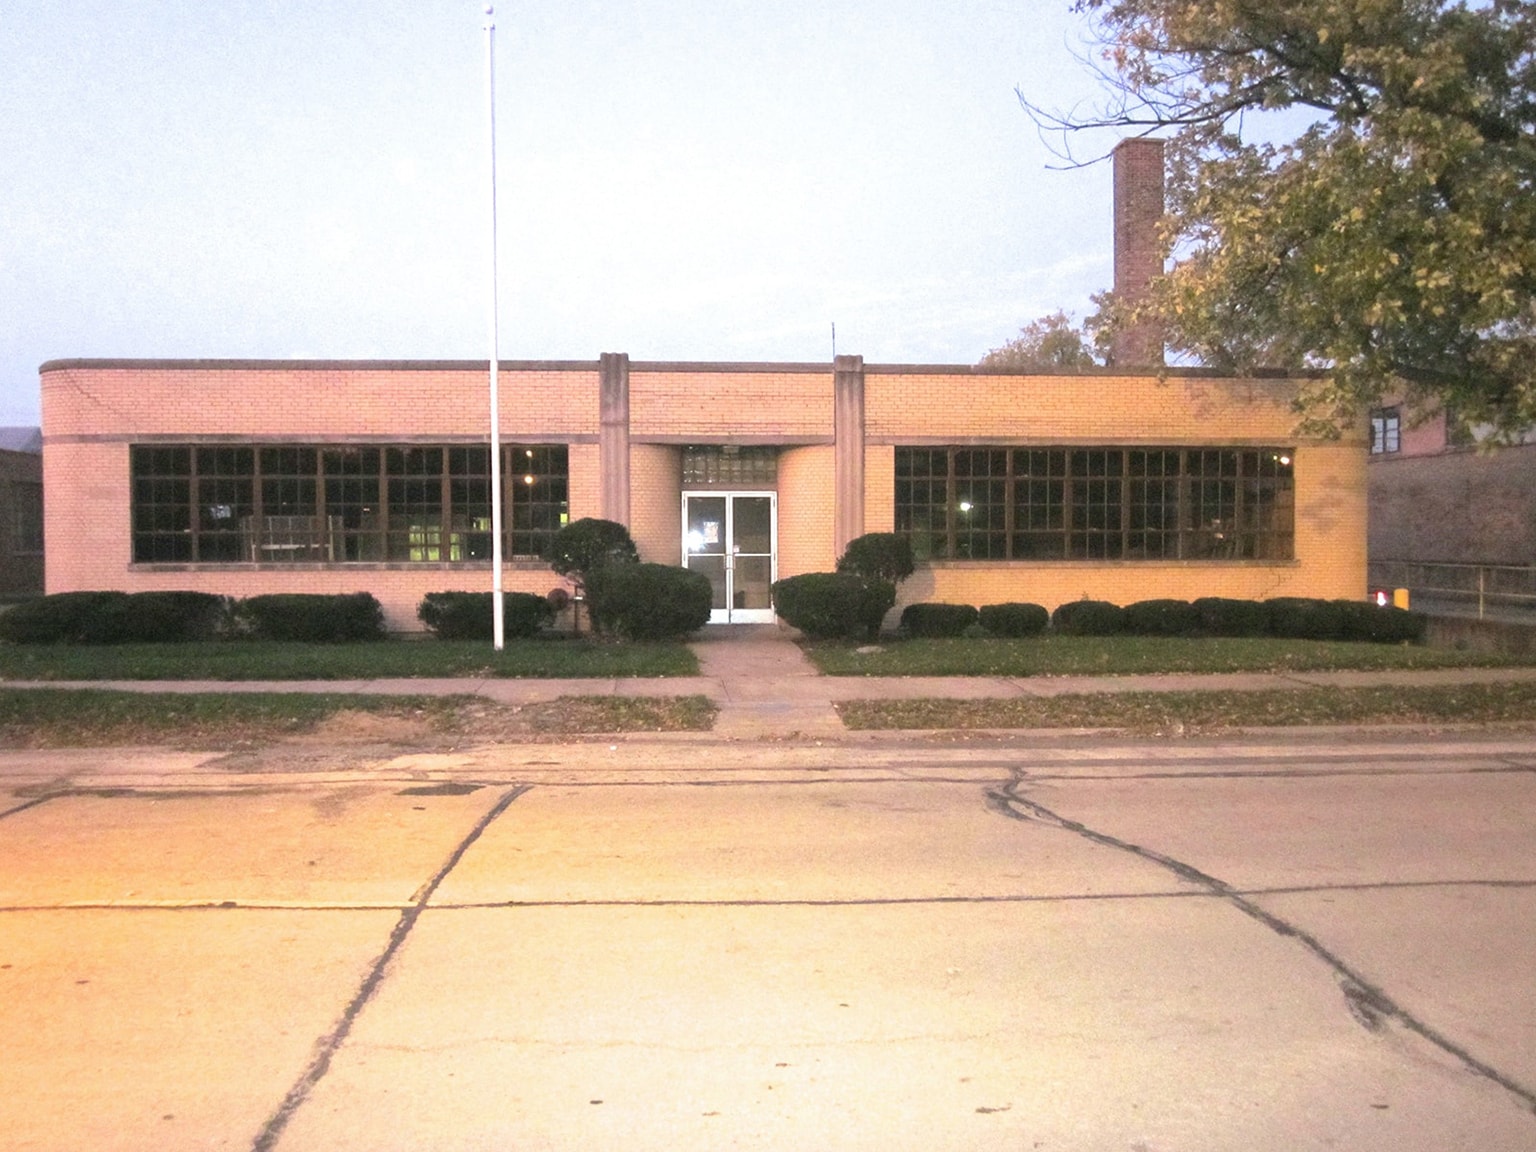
x,y
1489,584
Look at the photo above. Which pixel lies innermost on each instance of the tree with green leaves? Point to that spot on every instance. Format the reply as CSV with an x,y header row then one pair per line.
x,y
1352,189
1053,343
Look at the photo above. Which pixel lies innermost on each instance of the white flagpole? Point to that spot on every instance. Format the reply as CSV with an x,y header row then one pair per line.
x,y
498,617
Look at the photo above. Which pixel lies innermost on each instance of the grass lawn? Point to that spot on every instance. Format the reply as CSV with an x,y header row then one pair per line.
x,y
1206,711
63,717
554,658
1129,655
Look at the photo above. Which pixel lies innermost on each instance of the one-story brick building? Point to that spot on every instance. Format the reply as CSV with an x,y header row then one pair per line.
x,y
245,477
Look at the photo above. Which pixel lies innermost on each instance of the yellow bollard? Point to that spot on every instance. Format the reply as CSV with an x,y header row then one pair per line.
x,y
1400,598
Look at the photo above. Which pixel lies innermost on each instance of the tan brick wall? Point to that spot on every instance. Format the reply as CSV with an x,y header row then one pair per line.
x,y
656,502
716,405
1330,556
1097,409
88,529
309,403
879,488
805,511
92,413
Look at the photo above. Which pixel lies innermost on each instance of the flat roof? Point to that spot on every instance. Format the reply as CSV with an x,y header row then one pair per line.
x,y
635,366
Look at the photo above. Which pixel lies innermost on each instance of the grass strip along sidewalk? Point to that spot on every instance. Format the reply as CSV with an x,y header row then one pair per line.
x,y
74,718
1134,655
1162,712
553,658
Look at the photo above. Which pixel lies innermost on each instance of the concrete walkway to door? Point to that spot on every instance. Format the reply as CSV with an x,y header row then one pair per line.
x,y
766,685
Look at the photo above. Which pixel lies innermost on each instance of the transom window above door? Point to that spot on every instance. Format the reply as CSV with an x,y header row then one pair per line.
x,y
730,466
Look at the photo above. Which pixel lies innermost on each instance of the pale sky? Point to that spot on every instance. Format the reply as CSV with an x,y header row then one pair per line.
x,y
678,179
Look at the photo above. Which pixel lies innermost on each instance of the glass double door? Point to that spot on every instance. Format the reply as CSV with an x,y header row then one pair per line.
x,y
731,537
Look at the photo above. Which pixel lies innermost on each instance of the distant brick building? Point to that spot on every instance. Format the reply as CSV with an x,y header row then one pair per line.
x,y
1124,483
1436,500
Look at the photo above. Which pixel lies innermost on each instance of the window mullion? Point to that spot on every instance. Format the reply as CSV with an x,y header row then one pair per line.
x,y
383,524
194,499
445,507
508,490
1009,492
951,494
1125,503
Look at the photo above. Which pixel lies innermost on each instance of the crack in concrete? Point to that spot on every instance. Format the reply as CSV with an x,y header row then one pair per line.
x,y
1284,774
32,803
747,902
1369,1005
331,1042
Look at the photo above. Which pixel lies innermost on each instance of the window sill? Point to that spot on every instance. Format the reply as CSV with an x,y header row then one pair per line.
x,y
520,565
1150,562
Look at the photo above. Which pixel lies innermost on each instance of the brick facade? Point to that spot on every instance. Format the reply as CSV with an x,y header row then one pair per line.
x,y
1456,506
1138,197
94,411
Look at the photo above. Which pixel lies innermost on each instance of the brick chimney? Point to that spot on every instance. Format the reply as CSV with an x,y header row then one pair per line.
x,y
1138,256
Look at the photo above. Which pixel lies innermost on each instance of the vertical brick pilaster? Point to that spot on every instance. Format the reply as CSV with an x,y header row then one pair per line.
x,y
613,436
1138,168
848,460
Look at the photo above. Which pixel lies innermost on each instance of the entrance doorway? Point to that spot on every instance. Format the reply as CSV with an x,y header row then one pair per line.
x,y
732,537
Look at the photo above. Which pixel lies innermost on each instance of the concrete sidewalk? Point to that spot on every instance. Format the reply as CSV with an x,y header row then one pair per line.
x,y
765,687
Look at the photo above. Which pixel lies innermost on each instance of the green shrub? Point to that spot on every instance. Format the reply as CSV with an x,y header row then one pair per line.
x,y
583,546
468,615
1305,618
878,556
1088,618
937,620
1380,624
1161,618
828,605
68,618
1220,616
318,619
1014,620
648,601
115,618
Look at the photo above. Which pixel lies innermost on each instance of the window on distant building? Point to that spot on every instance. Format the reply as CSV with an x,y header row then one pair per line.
x,y
26,518
217,504
1386,431
1096,503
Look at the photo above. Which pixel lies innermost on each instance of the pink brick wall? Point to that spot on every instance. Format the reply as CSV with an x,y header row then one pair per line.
x,y
93,412
709,405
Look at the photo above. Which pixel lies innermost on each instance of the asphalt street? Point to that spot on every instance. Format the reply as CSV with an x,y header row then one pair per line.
x,y
1299,942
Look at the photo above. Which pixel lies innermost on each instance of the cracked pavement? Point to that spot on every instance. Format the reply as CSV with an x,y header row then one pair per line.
x,y
1288,942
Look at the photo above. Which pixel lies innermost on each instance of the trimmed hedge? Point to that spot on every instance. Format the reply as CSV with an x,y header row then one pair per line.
x,y
830,605
1305,618
469,616
1014,619
937,620
877,556
583,546
648,601
316,619
115,618
1161,618
1220,616
1088,618
1381,624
